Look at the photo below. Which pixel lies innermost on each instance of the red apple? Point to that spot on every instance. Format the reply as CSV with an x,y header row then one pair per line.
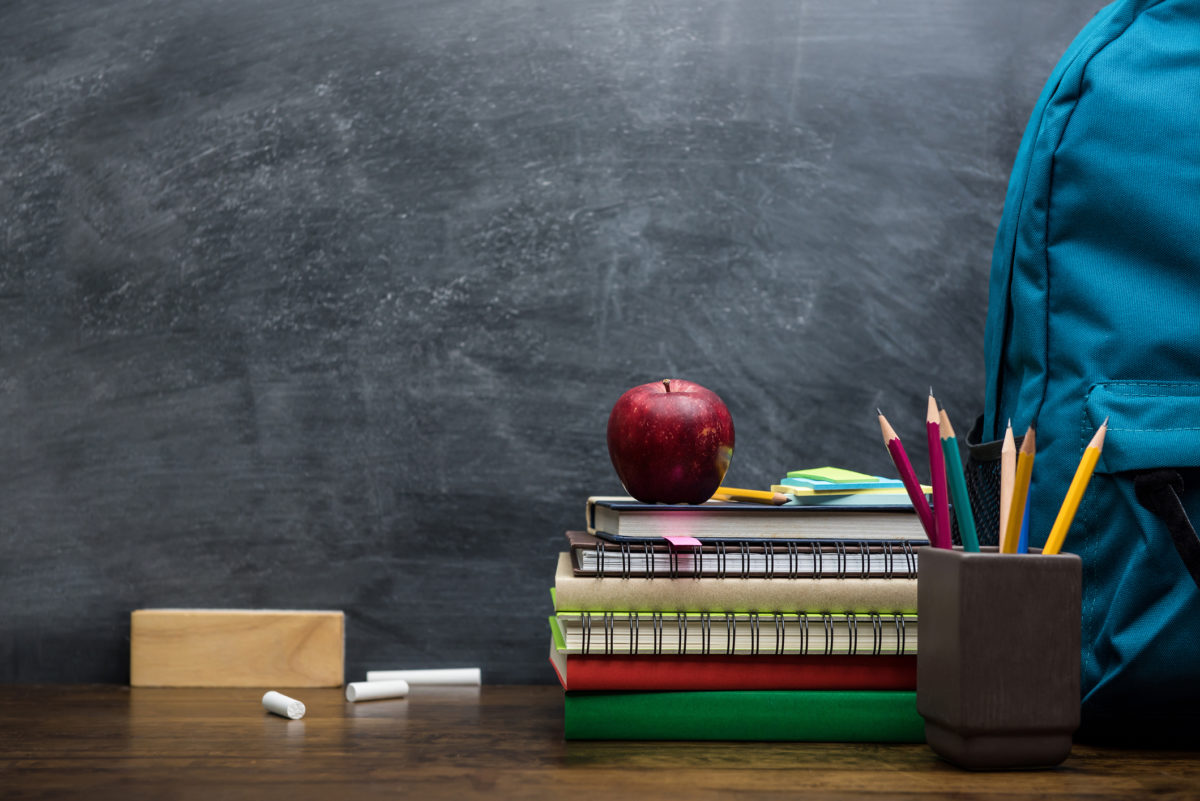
x,y
670,441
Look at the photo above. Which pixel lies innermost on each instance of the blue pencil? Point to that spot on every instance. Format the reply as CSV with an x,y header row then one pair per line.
x,y
1023,539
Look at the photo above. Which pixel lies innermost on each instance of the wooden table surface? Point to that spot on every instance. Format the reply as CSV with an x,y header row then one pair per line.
x,y
102,742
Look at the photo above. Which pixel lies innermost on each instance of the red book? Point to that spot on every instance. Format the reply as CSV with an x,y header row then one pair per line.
x,y
697,672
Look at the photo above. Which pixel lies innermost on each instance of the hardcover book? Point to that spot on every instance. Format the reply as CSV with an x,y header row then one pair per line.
x,y
595,556
781,715
622,518
813,595
684,672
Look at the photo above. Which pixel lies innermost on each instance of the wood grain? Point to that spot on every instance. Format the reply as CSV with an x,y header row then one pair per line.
x,y
236,648
103,742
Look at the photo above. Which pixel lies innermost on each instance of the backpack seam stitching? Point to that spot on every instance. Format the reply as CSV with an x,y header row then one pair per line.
x,y
1049,195
1012,255
1088,613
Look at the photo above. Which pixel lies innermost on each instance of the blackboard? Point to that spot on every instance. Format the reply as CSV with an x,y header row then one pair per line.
x,y
324,305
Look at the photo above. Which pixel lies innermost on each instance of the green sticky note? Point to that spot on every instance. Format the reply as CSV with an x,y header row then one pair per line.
x,y
834,474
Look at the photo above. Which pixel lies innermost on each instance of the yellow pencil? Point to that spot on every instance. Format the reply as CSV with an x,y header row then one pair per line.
x,y
1070,504
1016,509
1008,471
754,496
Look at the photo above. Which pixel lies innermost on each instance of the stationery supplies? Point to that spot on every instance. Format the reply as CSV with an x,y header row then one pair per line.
x,y
375,690
730,634
1023,540
838,475
900,459
847,481
280,704
873,499
736,602
619,518
697,672
596,556
750,496
937,471
468,677
850,489
235,648
1083,474
795,715
858,595
802,486
1008,474
960,497
1020,490
998,670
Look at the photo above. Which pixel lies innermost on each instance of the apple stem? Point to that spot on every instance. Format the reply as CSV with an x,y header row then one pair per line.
x,y
667,384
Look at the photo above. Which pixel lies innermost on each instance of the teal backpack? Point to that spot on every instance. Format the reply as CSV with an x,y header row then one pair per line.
x,y
1094,315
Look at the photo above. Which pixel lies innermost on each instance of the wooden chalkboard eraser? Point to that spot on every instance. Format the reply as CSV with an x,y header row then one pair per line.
x,y
236,648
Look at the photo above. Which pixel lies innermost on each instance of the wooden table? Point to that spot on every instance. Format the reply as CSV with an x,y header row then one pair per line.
x,y
101,742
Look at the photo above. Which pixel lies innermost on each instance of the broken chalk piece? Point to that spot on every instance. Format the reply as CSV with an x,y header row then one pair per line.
x,y
283,706
372,690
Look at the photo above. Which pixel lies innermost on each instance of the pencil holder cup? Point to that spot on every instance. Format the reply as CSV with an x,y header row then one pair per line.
x,y
998,660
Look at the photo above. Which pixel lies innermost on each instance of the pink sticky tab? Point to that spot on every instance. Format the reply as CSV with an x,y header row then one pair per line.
x,y
682,542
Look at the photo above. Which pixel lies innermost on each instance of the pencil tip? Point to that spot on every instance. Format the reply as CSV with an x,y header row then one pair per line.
x,y
879,410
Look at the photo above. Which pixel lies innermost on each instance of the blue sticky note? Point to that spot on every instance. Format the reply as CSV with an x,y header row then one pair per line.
x,y
842,486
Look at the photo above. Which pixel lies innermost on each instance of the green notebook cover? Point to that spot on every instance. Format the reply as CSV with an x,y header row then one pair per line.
x,y
842,716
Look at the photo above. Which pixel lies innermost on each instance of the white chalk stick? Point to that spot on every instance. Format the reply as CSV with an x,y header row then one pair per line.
x,y
460,676
372,690
281,705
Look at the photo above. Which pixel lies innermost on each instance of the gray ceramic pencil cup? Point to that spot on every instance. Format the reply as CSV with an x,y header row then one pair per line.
x,y
998,661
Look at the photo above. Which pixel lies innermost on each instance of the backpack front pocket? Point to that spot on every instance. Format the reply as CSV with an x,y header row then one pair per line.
x,y
1141,607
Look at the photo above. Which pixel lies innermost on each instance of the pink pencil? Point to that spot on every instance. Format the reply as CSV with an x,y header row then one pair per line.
x,y
937,475
904,467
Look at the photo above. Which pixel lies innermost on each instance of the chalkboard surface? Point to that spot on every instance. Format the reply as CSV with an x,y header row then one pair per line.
x,y
324,305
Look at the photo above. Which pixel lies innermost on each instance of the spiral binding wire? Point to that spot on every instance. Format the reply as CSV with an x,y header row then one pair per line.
x,y
837,559
830,624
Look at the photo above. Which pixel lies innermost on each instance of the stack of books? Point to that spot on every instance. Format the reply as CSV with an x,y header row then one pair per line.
x,y
739,621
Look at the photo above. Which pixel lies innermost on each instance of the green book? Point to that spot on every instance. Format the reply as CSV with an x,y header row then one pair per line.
x,y
842,716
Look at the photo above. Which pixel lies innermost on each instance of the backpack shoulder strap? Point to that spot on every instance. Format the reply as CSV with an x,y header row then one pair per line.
x,y
1158,491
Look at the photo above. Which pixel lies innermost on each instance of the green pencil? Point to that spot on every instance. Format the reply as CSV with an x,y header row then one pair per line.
x,y
958,486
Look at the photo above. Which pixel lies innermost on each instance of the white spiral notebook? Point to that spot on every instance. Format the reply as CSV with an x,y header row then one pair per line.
x,y
719,633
